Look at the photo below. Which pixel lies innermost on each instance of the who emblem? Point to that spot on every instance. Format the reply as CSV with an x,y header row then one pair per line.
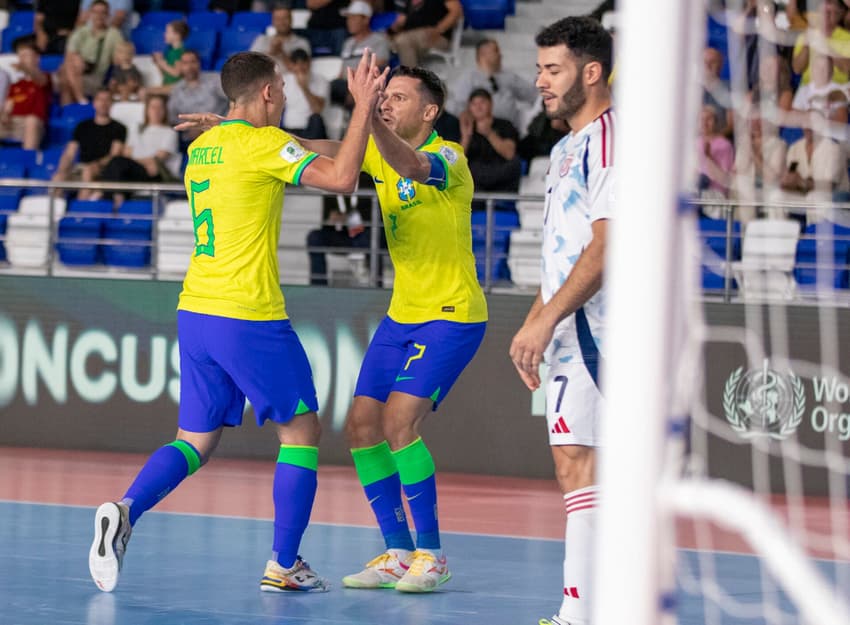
x,y
764,402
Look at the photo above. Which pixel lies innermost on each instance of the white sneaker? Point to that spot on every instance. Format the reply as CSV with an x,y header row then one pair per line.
x,y
427,571
381,572
111,534
299,578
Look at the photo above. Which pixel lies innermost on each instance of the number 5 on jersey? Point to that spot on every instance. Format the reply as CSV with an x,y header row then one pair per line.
x,y
205,217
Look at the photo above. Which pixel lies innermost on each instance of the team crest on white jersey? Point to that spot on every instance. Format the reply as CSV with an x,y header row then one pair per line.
x,y
565,166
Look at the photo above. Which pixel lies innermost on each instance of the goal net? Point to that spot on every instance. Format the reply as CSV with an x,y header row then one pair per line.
x,y
726,468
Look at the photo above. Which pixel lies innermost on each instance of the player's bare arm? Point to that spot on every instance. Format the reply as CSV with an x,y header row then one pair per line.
x,y
409,163
584,281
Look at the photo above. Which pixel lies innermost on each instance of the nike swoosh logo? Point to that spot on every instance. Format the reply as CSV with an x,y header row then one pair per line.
x,y
414,497
402,378
374,499
378,180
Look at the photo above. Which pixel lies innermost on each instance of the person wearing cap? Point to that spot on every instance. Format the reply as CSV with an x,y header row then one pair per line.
x,y
357,16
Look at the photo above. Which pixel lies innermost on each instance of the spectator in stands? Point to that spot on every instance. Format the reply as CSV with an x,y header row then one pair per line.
x,y
175,35
814,94
422,25
123,78
357,17
195,92
759,166
826,36
511,93
343,227
716,154
816,167
490,145
119,15
25,108
716,90
327,26
280,42
306,94
543,134
95,141
88,55
54,22
149,156
772,94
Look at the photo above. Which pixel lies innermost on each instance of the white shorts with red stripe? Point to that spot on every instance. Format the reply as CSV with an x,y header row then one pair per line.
x,y
573,404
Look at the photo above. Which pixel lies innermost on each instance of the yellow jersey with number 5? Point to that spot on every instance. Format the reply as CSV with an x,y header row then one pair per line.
x,y
235,181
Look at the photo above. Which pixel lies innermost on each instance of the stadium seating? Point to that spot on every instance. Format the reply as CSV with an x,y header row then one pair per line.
x,y
204,42
81,221
504,222
235,40
251,21
28,231
485,14
149,39
823,248
159,19
20,24
207,20
766,268
129,230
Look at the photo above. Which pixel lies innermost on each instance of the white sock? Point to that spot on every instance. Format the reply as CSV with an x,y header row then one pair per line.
x,y
578,553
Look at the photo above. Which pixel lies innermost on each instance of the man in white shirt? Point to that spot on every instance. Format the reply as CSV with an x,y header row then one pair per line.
x,y
306,95
280,42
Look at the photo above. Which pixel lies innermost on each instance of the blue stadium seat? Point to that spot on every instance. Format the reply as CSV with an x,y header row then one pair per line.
x,y
504,222
60,129
207,20
49,157
832,242
380,22
235,40
20,24
77,224
159,18
50,62
149,39
485,14
204,43
199,5
251,20
127,229
17,156
713,232
790,135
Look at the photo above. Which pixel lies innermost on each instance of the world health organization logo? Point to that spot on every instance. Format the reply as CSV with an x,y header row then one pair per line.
x,y
764,402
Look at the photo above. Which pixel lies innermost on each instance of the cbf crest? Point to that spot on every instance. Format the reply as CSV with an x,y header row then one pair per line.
x,y
406,190
764,402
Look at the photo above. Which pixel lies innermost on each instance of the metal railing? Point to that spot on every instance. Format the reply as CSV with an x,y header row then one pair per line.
x,y
159,193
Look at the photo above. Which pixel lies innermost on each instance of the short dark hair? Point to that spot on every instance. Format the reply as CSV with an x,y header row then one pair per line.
x,y
103,2
244,71
480,92
584,37
299,54
180,27
430,84
483,42
194,53
25,41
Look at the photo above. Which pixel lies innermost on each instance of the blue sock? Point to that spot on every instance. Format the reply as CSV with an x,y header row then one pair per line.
x,y
295,481
378,475
416,470
165,469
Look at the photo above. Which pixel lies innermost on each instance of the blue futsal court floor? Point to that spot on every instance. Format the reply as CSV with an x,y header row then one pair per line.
x,y
192,569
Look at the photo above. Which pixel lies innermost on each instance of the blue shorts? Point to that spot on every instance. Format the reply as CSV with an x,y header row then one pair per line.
x,y
223,361
421,359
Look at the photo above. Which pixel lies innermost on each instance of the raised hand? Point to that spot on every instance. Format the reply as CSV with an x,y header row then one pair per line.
x,y
366,82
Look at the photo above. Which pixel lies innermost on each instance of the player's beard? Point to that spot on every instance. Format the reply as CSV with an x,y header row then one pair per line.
x,y
572,102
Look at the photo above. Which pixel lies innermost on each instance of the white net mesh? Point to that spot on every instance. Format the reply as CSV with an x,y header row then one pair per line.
x,y
762,373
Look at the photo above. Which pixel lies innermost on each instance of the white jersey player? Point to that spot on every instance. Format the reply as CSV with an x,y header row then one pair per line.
x,y
566,322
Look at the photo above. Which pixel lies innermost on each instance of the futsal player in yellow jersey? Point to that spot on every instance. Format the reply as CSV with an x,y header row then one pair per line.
x,y
235,338
434,325
433,328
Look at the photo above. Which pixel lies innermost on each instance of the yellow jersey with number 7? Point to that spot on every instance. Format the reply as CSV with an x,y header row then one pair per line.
x,y
235,181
